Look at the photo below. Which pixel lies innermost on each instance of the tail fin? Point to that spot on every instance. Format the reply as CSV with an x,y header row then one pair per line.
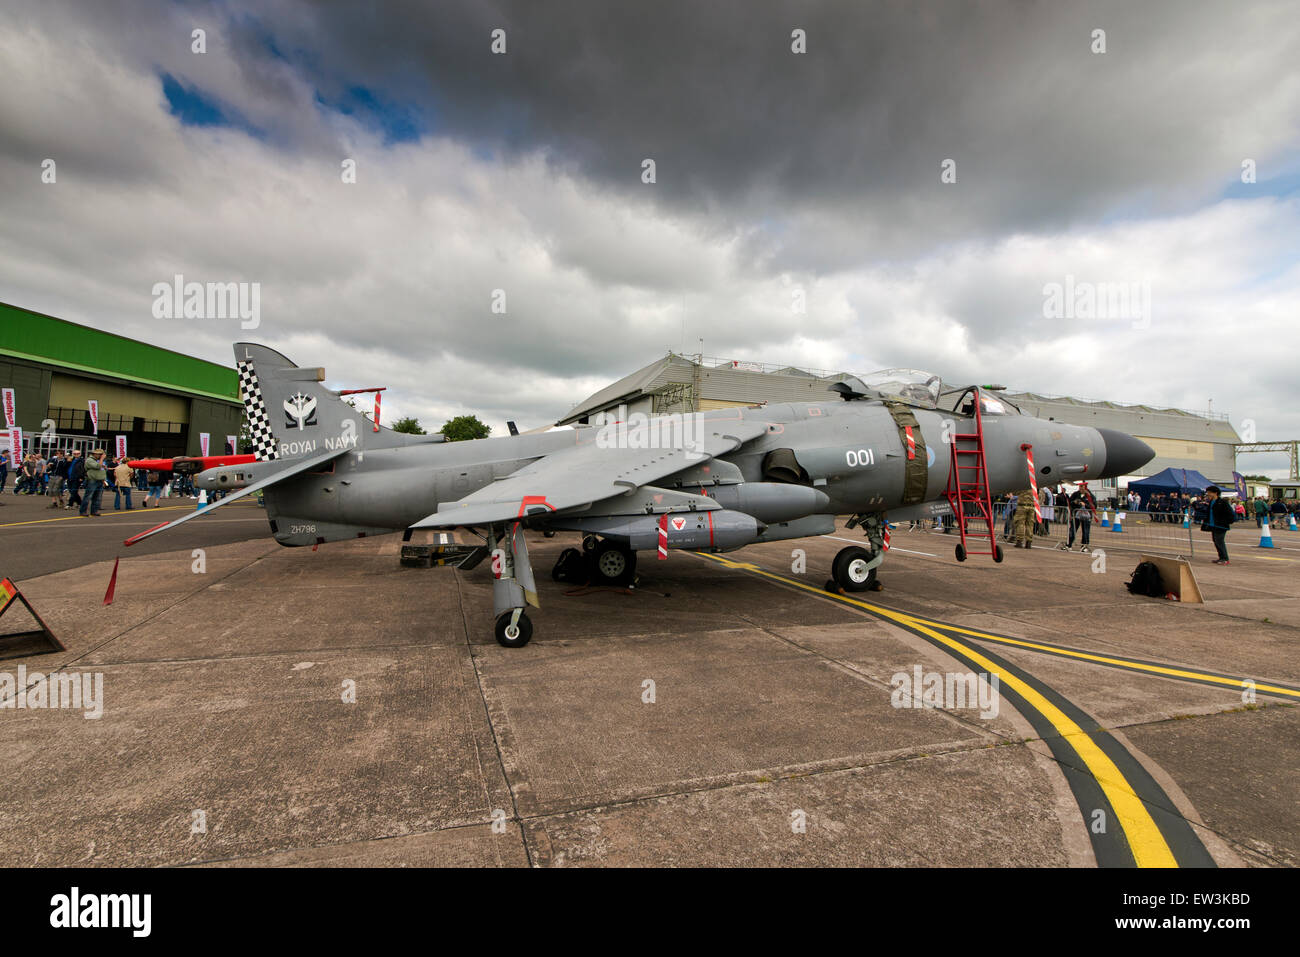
x,y
291,414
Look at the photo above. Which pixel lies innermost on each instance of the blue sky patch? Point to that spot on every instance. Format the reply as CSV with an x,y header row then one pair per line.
x,y
400,123
193,107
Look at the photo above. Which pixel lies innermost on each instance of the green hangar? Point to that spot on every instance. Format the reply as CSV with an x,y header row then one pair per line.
x,y
162,401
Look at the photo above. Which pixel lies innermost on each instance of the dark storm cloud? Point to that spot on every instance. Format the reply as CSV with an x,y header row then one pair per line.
x,y
835,152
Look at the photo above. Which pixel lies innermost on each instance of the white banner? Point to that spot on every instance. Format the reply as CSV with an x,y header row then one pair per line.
x,y
9,408
121,447
204,439
94,416
15,446
232,443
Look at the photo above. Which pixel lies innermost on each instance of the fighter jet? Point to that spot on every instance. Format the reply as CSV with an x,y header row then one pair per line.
x,y
894,445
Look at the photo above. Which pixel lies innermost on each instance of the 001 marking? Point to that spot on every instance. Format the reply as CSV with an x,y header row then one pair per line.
x,y
859,457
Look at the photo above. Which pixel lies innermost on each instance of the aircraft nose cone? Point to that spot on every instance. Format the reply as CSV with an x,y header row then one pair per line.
x,y
1124,454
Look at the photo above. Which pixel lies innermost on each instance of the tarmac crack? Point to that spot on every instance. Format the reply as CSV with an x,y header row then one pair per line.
x,y
496,741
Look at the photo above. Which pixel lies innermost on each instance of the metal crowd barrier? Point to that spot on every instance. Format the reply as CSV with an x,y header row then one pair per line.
x,y
1161,533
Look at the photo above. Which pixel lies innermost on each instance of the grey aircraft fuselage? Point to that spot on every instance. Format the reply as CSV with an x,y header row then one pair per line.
x,y
851,451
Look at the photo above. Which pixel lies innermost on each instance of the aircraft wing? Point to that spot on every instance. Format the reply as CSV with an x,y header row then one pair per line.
x,y
586,473
295,467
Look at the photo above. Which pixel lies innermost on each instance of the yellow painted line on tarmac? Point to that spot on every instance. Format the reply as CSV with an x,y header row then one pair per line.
x,y
1147,843
111,513
1116,662
68,518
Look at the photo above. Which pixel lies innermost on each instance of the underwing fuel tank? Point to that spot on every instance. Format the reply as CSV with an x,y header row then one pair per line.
x,y
717,529
771,501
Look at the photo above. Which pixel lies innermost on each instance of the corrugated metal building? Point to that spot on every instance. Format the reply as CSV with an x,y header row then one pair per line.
x,y
1182,439
677,383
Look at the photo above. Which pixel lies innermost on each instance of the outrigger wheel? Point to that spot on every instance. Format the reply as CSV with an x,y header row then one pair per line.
x,y
997,553
513,635
850,569
961,553
613,564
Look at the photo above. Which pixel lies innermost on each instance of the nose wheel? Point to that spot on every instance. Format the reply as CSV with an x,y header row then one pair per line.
x,y
852,569
512,633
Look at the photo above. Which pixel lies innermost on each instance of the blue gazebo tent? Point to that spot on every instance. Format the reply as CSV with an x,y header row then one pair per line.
x,y
1186,481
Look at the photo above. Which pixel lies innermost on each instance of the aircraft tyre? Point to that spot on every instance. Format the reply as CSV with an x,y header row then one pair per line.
x,y
516,636
612,564
850,569
961,553
997,553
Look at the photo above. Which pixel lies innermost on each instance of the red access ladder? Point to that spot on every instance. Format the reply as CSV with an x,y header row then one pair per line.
x,y
968,490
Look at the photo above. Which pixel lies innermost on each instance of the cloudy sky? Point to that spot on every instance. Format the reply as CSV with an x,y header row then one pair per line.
x,y
777,175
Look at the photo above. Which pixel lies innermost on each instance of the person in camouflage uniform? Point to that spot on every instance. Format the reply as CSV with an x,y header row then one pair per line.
x,y
1024,519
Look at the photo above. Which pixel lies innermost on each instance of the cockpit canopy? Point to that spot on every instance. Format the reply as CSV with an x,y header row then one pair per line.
x,y
910,386
923,390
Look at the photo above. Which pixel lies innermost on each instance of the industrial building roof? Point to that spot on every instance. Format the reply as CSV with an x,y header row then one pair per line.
x,y
801,384
37,337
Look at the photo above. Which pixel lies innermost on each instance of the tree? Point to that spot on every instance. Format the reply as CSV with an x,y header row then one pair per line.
x,y
408,425
465,427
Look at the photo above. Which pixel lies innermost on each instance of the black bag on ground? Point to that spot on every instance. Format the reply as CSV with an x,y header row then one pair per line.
x,y
1145,580
571,567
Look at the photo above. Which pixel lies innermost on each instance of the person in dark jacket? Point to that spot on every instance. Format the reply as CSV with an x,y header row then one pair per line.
x,y
1083,509
76,475
1218,519
58,479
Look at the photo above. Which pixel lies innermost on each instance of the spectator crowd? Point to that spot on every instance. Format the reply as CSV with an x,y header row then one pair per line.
x,y
72,480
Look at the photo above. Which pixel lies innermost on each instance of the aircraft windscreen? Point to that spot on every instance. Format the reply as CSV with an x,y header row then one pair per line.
x,y
991,406
963,401
911,386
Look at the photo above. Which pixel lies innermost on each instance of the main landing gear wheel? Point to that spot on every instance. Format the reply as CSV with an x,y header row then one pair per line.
x,y
997,553
850,569
513,636
613,564
961,553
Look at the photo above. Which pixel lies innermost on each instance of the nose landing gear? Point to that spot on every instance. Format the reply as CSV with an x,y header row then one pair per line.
x,y
513,629
854,569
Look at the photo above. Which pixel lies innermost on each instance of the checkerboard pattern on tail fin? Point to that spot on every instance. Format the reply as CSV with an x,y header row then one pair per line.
x,y
259,421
